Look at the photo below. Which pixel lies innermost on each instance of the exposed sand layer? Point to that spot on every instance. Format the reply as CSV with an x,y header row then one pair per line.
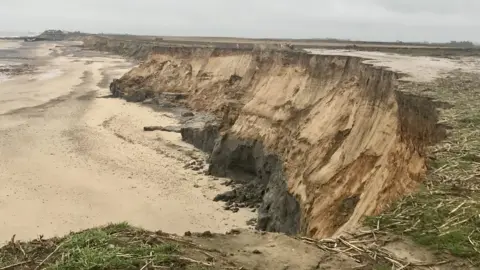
x,y
349,143
70,160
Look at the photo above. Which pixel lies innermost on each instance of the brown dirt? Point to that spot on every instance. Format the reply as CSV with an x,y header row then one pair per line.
x,y
371,147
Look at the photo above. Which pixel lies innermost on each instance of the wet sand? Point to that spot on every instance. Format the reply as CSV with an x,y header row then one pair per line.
x,y
70,160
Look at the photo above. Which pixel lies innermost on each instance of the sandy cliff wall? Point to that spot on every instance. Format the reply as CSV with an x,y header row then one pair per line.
x,y
327,138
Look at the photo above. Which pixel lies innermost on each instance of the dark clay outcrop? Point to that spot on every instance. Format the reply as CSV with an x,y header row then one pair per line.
x,y
202,137
261,178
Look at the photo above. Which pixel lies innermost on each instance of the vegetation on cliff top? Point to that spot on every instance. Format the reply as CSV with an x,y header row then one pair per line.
x,y
445,213
116,246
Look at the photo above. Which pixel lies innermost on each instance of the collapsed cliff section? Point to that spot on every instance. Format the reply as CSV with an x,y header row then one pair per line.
x,y
328,139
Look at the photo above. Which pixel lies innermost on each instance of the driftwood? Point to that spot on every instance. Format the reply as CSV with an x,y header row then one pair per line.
x,y
167,128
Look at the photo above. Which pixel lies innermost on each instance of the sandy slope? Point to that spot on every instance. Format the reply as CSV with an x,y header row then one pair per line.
x,y
69,160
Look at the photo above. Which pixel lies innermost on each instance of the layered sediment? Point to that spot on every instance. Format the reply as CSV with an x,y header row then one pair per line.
x,y
325,139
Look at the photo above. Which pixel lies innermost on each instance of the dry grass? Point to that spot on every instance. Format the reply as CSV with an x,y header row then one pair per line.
x,y
366,249
117,246
445,213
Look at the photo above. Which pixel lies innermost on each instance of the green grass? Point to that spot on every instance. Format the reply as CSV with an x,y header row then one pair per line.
x,y
441,221
444,214
116,246
98,247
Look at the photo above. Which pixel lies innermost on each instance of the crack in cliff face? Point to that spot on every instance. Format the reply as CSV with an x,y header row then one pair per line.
x,y
326,139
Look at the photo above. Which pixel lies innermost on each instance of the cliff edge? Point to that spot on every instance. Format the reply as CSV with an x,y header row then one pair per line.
x,y
328,139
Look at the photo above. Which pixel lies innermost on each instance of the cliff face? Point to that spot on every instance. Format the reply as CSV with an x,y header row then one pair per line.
x,y
137,50
328,138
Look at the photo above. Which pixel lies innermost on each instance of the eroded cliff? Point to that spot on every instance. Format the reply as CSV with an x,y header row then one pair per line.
x,y
326,139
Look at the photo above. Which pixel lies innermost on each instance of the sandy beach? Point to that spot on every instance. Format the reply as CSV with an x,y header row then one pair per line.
x,y
71,159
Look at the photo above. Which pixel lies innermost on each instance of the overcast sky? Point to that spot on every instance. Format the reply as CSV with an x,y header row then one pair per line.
x,y
389,20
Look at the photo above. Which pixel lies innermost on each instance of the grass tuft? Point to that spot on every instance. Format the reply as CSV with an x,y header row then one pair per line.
x,y
116,246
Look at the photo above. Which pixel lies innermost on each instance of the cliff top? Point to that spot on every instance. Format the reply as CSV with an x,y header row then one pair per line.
x,y
417,68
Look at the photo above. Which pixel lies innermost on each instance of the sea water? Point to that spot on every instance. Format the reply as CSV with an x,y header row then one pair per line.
x,y
8,53
15,34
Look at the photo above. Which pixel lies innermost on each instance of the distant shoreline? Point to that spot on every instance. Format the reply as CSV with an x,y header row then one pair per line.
x,y
16,36
58,35
12,38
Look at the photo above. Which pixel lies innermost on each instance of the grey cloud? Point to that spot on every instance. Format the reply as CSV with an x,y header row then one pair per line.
x,y
460,7
419,20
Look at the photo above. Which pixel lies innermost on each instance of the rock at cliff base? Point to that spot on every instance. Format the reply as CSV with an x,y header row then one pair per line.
x,y
137,96
229,195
